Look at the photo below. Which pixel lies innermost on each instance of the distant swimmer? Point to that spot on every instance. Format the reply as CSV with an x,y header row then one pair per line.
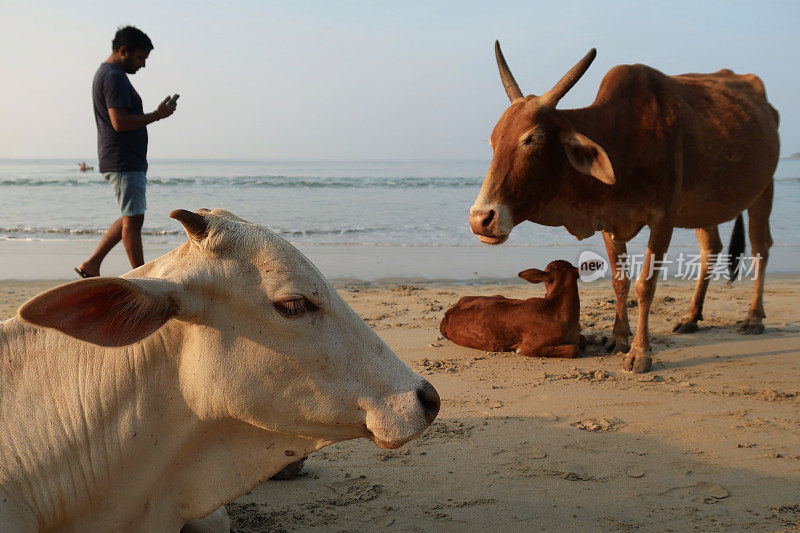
x,y
83,167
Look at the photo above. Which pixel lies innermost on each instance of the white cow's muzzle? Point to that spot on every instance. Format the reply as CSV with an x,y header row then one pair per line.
x,y
398,418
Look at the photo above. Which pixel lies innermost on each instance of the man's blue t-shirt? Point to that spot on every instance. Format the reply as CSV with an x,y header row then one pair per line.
x,y
117,151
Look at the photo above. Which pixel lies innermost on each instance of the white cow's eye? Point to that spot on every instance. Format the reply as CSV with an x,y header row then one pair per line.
x,y
296,307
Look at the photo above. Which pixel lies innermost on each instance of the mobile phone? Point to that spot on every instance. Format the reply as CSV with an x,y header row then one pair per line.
x,y
173,99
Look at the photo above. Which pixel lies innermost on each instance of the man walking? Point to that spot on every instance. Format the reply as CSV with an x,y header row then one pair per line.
x,y
122,143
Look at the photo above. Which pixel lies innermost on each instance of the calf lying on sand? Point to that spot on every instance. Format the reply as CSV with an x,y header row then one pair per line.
x,y
142,402
541,327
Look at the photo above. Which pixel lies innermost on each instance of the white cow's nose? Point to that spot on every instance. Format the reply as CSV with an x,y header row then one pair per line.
x,y
430,401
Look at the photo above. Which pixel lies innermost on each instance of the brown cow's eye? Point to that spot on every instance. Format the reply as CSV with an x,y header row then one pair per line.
x,y
535,137
295,307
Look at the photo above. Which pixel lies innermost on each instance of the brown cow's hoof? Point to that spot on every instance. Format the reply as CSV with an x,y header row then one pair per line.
x,y
685,325
289,471
637,361
617,344
750,326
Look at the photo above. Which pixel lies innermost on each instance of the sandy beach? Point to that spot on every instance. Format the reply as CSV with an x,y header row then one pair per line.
x,y
709,440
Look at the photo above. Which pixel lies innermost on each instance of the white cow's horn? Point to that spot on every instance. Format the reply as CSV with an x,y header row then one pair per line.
x,y
196,225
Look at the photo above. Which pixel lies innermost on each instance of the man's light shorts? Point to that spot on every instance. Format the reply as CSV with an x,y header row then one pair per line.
x,y
129,188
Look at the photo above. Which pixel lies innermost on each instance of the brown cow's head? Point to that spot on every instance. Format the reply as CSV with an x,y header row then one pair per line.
x,y
534,146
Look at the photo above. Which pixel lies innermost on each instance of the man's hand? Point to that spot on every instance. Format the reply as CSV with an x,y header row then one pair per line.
x,y
121,120
164,110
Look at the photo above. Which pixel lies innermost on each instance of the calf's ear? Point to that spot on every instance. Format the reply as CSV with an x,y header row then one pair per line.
x,y
105,311
588,157
534,275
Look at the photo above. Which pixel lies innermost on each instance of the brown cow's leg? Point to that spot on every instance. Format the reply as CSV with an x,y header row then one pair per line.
x,y
761,241
710,247
622,283
638,358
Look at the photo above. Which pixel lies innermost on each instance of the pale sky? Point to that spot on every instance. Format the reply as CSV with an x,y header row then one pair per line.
x,y
359,80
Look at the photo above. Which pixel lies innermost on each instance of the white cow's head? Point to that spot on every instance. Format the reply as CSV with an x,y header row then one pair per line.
x,y
262,336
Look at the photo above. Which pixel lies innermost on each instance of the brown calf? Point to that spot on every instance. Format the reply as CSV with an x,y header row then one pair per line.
x,y
542,327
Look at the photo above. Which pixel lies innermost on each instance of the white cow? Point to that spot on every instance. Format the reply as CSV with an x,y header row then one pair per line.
x,y
141,402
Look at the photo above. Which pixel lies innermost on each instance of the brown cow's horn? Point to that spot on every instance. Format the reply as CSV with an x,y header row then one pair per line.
x,y
196,225
512,89
566,83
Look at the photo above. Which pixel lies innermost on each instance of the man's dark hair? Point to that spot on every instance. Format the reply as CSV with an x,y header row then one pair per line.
x,y
132,38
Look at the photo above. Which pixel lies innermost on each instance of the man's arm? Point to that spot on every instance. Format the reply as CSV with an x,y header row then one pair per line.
x,y
121,120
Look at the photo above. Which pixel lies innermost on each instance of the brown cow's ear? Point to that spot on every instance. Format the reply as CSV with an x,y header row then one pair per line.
x,y
588,157
534,275
105,311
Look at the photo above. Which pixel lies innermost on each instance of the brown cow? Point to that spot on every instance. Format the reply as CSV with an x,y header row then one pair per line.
x,y
541,327
687,151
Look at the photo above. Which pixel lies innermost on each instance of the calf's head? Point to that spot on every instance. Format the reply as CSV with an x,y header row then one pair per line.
x,y
257,334
534,146
557,274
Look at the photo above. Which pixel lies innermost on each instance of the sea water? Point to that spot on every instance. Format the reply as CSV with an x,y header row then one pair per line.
x,y
333,202
349,203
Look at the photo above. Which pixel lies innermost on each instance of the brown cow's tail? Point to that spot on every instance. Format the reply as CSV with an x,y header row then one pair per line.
x,y
736,248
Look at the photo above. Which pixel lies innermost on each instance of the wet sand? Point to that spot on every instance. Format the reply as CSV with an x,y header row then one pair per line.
x,y
709,440
477,263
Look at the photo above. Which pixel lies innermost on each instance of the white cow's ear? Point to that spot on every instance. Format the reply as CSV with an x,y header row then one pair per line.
x,y
588,157
105,311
